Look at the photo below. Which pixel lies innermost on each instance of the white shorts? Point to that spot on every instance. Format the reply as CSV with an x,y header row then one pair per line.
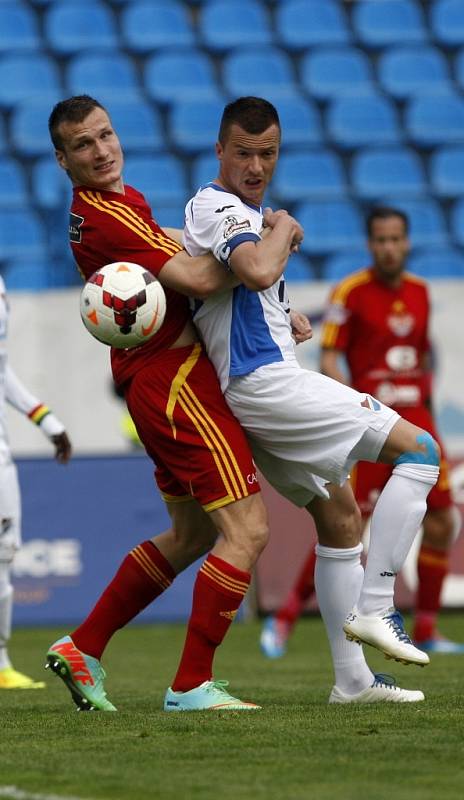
x,y
306,429
10,512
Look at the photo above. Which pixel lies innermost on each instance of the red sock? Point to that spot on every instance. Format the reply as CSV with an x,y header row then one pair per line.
x,y
302,590
219,589
432,569
143,575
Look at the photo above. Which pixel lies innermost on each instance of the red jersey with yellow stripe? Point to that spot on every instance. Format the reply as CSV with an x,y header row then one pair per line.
x,y
383,332
109,226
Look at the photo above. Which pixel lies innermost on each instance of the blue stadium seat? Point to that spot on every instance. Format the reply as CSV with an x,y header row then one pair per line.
x,y
28,75
339,265
328,72
18,27
180,75
138,124
264,72
388,22
72,27
205,168
13,191
171,216
299,269
28,275
459,68
446,167
307,23
161,178
447,22
51,186
380,171
194,124
330,226
300,121
29,127
457,222
404,71
439,262
435,119
3,140
314,174
22,234
151,24
367,120
223,25
106,76
426,218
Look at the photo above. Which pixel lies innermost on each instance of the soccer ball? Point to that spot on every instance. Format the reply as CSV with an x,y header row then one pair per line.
x,y
123,305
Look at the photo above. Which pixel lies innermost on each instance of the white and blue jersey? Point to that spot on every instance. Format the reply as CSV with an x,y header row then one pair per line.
x,y
242,330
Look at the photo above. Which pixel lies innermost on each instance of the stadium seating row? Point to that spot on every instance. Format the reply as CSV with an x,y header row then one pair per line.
x,y
316,173
370,95
69,27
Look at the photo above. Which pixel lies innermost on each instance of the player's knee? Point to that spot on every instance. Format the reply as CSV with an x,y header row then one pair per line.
x,y
427,452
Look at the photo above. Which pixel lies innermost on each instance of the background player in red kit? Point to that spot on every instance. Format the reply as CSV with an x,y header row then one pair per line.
x,y
203,462
378,320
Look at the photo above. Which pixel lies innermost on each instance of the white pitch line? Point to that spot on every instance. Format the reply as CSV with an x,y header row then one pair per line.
x,y
13,793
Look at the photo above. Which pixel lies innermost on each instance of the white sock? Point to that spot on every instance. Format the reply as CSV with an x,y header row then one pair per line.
x,y
395,522
338,579
6,609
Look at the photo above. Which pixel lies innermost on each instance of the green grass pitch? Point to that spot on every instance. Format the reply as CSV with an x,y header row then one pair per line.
x,y
298,747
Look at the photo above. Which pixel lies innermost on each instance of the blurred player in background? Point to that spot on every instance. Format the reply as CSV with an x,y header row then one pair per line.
x,y
378,324
204,468
13,392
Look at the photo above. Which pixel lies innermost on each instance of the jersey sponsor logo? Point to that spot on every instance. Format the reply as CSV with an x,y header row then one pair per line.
x,y
401,357
252,478
224,208
391,395
233,226
387,574
75,224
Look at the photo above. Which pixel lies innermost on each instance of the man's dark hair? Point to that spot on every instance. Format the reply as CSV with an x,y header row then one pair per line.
x,y
253,114
385,212
74,109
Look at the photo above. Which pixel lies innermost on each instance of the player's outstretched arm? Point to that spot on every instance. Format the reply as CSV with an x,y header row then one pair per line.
x,y
21,398
198,276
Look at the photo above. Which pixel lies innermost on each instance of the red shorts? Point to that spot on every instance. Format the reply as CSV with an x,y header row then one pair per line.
x,y
189,431
368,479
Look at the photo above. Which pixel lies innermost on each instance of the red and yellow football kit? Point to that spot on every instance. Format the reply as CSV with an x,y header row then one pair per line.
x,y
383,333
173,394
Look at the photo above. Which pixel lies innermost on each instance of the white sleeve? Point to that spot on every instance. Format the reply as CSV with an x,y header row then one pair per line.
x,y
21,398
217,222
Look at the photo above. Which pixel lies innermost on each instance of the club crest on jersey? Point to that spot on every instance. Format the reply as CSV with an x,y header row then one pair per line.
x,y
371,403
233,226
75,224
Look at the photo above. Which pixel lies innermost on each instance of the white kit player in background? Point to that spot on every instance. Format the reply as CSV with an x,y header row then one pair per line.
x,y
13,392
307,430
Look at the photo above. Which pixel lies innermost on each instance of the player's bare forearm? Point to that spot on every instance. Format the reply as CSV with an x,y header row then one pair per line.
x,y
198,276
260,264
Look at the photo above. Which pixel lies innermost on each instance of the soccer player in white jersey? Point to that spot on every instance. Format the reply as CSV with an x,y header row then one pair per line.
x,y
13,392
307,430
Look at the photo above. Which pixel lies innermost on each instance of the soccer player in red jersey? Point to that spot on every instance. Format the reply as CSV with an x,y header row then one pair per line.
x,y
378,320
203,462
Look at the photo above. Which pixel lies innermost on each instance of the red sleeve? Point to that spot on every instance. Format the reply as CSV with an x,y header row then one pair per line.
x,y
111,226
336,326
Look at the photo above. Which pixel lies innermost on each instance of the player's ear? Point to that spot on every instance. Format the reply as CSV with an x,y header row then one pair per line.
x,y
219,150
61,159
